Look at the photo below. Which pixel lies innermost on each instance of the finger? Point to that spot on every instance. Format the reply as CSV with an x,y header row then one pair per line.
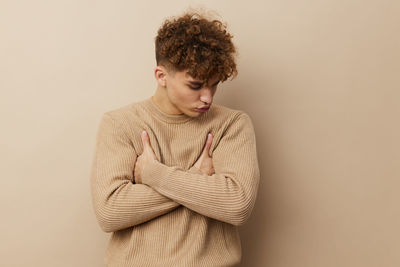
x,y
208,144
145,139
146,143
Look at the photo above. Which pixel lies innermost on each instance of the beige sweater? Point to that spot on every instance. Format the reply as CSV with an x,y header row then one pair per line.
x,y
178,216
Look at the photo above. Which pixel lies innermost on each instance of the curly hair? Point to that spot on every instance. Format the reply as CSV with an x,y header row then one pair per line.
x,y
199,45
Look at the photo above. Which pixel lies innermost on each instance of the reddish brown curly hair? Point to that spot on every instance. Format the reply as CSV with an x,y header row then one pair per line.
x,y
199,45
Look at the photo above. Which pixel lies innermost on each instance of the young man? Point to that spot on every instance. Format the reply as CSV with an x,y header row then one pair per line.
x,y
174,175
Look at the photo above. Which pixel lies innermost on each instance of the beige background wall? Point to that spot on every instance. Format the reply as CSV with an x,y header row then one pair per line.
x,y
320,80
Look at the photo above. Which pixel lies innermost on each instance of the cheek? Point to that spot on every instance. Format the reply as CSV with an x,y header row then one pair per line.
x,y
185,96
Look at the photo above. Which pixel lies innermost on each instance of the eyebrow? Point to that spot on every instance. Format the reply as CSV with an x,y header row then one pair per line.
x,y
200,83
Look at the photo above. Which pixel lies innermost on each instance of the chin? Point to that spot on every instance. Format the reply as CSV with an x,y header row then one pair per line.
x,y
194,114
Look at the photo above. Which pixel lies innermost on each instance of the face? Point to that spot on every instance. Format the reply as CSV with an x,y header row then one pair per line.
x,y
184,94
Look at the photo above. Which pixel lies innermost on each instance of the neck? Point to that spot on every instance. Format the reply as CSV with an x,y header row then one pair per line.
x,y
160,98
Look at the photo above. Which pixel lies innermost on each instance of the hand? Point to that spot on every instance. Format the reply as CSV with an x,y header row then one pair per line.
x,y
146,157
204,162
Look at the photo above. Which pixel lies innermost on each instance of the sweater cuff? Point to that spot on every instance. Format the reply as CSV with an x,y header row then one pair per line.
x,y
153,173
194,169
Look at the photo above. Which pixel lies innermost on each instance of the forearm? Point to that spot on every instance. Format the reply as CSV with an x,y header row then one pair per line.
x,y
128,205
221,197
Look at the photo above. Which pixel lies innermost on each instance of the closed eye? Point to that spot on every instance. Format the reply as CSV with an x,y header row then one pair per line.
x,y
200,86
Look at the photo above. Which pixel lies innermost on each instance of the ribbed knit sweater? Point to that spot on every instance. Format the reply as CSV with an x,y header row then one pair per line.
x,y
178,216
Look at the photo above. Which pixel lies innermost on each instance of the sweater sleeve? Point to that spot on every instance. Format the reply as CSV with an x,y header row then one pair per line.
x,y
118,202
229,194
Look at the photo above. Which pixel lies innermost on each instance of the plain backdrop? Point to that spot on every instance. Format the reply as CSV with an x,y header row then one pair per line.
x,y
320,80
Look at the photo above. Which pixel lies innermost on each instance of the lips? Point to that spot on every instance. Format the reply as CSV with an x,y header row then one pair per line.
x,y
203,109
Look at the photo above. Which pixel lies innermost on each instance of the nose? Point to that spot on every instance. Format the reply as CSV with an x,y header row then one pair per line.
x,y
207,95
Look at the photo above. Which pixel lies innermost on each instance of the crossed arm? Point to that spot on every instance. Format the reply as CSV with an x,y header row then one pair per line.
x,y
227,195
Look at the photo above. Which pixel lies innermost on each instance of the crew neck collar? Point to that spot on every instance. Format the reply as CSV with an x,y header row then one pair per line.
x,y
170,118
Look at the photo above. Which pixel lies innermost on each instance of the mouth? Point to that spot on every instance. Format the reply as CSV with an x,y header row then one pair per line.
x,y
203,109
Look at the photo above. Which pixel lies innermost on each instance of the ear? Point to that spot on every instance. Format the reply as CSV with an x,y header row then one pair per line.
x,y
160,75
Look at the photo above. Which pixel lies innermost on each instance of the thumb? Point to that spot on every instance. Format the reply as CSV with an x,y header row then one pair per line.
x,y
208,144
